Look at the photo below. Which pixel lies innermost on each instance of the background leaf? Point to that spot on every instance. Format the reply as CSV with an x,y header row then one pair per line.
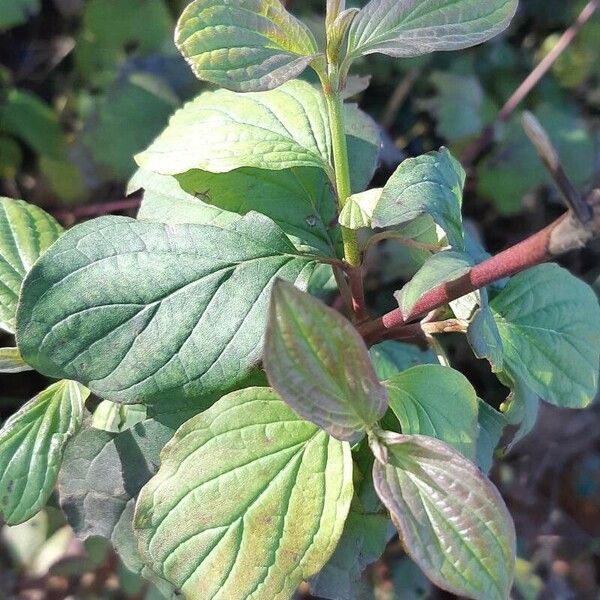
x,y
265,534
244,45
320,366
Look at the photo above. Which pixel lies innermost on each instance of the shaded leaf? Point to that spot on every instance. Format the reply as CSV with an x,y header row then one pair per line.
x,y
11,361
452,521
120,283
491,427
549,322
32,442
244,526
319,364
17,12
26,231
431,184
244,45
438,402
390,358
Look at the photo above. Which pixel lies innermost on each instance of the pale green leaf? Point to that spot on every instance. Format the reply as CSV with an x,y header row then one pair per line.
x,y
160,311
491,427
440,268
256,522
549,322
244,45
26,231
452,521
32,442
319,364
358,210
391,357
11,361
438,402
280,129
404,28
429,184
113,417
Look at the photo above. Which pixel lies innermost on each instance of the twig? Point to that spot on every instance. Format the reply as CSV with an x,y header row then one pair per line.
x,y
68,217
402,239
565,234
487,135
398,98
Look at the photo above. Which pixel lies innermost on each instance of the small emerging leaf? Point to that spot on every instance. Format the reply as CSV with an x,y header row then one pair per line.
x,y
549,322
256,522
443,267
451,519
358,210
403,28
320,365
11,361
429,184
244,45
26,231
32,443
438,402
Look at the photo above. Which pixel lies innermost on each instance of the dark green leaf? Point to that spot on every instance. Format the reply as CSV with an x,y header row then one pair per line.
x,y
390,358
491,426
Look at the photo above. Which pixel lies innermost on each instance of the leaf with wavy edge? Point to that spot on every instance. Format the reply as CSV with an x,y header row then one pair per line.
x,y
145,311
32,442
260,519
403,28
26,231
452,521
244,45
549,323
320,366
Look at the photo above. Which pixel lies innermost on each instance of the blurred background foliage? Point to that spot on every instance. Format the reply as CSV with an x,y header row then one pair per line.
x,y
85,84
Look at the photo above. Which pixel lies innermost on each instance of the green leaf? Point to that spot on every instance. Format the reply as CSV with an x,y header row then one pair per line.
x,y
440,268
17,12
244,45
11,361
28,118
307,214
358,210
452,520
491,427
161,311
32,443
549,322
438,402
319,364
255,523
101,475
484,336
521,407
166,202
284,128
113,417
26,231
400,28
431,184
391,357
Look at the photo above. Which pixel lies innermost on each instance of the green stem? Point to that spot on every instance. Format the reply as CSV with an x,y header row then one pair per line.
x,y
335,108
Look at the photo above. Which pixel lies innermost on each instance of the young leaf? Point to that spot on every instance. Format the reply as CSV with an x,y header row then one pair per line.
x,y
403,28
491,426
26,231
429,184
438,402
358,210
390,358
161,311
484,338
521,407
244,45
549,322
320,366
440,268
101,475
452,521
11,361
255,523
284,128
32,443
